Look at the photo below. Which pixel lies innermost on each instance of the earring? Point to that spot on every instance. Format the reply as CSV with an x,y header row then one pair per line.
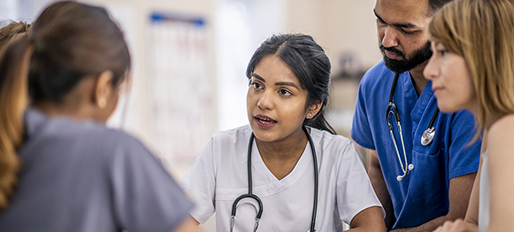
x,y
309,115
102,103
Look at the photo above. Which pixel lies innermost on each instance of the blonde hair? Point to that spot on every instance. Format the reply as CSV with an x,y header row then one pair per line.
x,y
13,101
482,31
13,92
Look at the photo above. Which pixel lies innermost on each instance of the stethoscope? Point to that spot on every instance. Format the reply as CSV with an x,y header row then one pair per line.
x,y
256,198
426,138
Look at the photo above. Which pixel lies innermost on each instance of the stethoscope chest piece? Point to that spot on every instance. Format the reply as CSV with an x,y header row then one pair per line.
x,y
427,136
256,198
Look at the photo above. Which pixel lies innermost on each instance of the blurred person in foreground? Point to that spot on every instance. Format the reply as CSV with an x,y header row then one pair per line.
x,y
61,168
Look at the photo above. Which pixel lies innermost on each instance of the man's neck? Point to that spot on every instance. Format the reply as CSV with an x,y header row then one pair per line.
x,y
417,78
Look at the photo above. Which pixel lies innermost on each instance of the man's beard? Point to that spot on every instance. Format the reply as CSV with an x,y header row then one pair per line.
x,y
399,66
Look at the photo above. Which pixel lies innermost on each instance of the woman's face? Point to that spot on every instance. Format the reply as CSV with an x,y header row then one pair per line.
x,y
451,80
275,101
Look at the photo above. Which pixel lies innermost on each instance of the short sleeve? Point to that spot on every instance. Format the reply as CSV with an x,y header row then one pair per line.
x,y
199,183
354,190
464,156
361,130
146,197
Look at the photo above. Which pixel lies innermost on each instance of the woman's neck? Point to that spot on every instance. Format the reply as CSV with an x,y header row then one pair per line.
x,y
55,110
281,156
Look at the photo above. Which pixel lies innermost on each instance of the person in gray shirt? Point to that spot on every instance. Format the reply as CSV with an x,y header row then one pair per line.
x,y
61,169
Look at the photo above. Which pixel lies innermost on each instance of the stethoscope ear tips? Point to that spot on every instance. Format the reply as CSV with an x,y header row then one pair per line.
x,y
409,167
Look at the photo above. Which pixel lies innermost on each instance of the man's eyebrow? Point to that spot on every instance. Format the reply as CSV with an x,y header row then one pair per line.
x,y
404,25
378,17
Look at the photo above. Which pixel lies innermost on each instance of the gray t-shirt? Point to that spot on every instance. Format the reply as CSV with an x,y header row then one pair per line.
x,y
82,176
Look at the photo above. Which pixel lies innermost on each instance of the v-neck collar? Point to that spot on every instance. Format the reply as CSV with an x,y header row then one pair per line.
x,y
419,108
272,183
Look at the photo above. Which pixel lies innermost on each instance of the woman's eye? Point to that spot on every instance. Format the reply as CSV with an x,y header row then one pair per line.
x,y
256,85
443,52
285,92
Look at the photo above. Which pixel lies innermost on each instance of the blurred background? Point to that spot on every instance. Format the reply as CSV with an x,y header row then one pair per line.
x,y
189,61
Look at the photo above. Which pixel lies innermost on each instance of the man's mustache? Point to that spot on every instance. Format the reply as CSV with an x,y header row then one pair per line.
x,y
393,50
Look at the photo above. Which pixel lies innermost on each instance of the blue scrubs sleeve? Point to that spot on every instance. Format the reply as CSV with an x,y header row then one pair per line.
x,y
361,129
463,156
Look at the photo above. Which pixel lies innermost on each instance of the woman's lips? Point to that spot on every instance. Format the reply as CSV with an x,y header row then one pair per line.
x,y
436,89
264,121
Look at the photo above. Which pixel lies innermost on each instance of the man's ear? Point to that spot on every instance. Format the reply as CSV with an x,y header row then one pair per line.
x,y
313,110
103,89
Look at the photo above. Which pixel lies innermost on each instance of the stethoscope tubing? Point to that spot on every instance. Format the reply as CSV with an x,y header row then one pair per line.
x,y
392,109
256,198
315,161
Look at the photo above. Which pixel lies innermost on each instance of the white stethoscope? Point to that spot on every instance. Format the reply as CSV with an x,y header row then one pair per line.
x,y
426,138
256,198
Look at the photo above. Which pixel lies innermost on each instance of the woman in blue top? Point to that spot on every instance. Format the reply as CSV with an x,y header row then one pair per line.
x,y
61,168
472,68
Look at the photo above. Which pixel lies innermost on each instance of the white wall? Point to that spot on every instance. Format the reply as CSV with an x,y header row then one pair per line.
x,y
340,26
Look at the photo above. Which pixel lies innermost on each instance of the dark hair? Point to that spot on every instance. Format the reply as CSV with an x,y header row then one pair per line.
x,y
434,5
68,42
310,65
73,41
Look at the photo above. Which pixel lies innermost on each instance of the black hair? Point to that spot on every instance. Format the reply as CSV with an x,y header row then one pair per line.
x,y
434,5
310,65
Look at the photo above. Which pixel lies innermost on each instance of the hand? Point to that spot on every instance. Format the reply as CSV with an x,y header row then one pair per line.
x,y
457,226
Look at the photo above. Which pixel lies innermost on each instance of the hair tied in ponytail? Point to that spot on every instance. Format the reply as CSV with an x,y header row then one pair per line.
x,y
36,42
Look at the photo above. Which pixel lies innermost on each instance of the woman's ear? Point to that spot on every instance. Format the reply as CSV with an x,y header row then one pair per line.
x,y
103,89
313,110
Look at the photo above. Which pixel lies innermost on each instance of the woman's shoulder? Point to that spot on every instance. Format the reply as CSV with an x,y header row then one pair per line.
x,y
501,131
233,135
68,133
330,141
95,132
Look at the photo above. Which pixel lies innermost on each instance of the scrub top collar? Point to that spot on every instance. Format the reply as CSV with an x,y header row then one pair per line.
x,y
274,185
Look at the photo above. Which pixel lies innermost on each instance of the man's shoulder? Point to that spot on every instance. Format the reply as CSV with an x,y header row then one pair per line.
x,y
377,75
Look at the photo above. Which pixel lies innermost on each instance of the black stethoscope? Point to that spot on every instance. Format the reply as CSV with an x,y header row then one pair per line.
x,y
426,138
256,198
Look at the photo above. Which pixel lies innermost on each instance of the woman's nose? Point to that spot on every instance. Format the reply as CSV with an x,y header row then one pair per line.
x,y
431,71
266,100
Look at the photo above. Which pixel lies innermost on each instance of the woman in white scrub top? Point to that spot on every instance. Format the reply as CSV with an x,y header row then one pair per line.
x,y
289,77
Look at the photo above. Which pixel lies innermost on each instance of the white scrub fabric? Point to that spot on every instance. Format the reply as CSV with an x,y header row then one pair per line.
x,y
484,196
219,175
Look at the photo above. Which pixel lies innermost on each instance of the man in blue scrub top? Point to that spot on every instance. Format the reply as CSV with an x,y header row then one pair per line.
x,y
440,182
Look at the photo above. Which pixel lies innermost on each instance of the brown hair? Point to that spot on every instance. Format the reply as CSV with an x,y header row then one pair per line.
x,y
482,31
12,30
68,42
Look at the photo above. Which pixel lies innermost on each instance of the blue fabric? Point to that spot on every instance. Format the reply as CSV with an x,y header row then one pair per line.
x,y
423,194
